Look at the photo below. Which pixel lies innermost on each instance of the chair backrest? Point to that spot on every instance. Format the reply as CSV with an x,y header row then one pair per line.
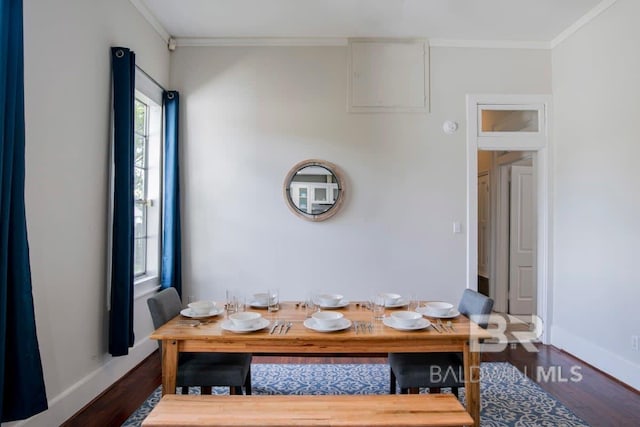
x,y
164,306
476,306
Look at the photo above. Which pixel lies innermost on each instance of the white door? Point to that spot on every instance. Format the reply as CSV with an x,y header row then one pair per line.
x,y
483,225
522,241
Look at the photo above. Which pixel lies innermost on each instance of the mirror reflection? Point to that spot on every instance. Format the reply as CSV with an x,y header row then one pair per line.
x,y
313,189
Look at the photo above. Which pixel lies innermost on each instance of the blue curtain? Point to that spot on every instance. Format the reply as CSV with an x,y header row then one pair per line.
x,y
21,380
171,247
121,313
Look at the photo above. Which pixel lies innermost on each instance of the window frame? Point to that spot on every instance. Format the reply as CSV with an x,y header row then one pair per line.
x,y
143,202
149,92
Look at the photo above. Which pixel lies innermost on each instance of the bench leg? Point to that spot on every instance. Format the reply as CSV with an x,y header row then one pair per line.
x,y
247,383
205,389
392,382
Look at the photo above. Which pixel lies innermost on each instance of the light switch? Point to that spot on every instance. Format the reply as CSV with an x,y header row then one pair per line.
x,y
457,227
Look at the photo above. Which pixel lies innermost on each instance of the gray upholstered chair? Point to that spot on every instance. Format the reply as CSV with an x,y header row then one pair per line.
x,y
202,370
438,370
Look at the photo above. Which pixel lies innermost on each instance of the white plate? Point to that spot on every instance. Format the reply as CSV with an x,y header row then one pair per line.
x,y
341,304
420,324
214,312
311,324
256,304
228,325
426,312
401,303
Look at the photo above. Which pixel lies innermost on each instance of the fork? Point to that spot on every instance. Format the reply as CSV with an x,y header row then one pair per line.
x,y
274,327
282,326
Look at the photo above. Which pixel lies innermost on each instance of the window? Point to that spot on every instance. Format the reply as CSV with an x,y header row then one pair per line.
x,y
141,139
520,120
147,180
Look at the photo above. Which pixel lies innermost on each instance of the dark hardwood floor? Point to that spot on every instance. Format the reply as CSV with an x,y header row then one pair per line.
x,y
589,393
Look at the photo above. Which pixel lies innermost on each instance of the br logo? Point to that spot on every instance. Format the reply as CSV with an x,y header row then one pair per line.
x,y
505,330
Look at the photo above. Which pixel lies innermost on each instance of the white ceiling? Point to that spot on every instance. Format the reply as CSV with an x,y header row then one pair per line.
x,y
464,20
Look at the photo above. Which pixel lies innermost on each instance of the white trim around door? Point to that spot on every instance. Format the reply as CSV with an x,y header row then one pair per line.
x,y
543,190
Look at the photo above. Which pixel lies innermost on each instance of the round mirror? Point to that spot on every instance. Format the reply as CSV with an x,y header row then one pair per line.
x,y
314,190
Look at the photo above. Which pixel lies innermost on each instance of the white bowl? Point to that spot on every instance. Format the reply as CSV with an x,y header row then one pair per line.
x,y
201,307
406,319
439,308
330,300
261,298
327,319
244,319
391,299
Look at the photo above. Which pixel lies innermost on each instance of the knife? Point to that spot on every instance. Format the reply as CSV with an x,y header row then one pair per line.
x,y
288,327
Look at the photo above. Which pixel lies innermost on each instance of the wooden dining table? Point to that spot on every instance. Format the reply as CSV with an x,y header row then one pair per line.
x,y
183,334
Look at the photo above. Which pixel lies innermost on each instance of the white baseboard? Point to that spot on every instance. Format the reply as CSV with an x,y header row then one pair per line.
x,y
71,400
622,369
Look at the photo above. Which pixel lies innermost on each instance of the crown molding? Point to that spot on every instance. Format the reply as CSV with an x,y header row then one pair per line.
x,y
343,41
261,41
340,41
151,19
490,44
588,17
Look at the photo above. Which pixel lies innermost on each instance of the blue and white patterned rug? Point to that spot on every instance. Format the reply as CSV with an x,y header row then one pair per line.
x,y
509,399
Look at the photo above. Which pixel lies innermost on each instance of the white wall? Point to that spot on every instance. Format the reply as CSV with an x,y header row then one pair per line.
x,y
67,91
597,203
249,114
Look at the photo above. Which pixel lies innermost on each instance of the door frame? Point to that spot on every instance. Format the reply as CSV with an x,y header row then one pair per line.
x,y
490,226
542,163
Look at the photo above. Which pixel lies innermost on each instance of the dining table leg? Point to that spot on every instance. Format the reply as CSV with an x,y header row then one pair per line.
x,y
169,366
472,382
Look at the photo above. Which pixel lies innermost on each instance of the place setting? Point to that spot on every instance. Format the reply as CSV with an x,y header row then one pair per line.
x,y
438,310
327,321
202,309
259,300
393,300
406,321
329,301
244,321
266,300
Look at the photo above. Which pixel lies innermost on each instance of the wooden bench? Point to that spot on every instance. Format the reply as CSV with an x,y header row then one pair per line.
x,y
309,410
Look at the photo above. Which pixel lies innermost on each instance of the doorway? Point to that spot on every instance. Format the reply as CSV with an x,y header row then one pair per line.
x,y
525,120
507,231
